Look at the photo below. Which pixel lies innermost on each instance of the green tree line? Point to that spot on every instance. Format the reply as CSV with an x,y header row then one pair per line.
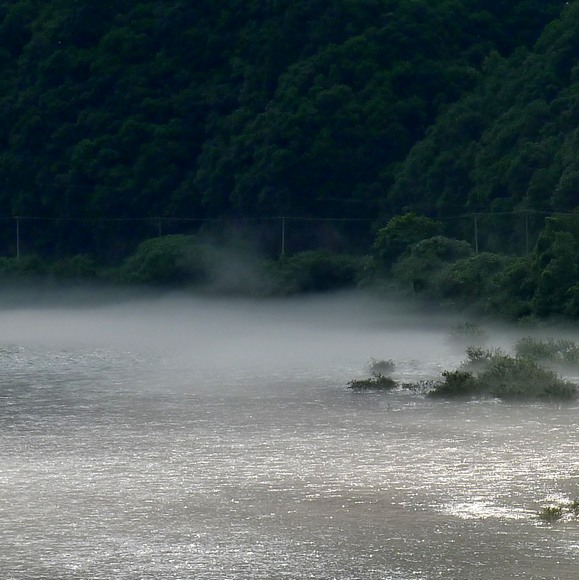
x,y
372,109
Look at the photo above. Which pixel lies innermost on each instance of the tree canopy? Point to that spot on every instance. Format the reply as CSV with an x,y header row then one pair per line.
x,y
303,107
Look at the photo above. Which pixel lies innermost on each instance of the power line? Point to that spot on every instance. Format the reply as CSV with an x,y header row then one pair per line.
x,y
478,220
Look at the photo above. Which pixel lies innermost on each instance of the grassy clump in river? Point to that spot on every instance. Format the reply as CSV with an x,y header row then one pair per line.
x,y
553,513
379,382
380,379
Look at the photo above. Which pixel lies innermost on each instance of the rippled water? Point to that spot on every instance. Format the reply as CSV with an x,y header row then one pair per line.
x,y
197,439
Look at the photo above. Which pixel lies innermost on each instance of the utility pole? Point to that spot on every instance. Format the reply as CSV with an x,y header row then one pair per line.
x,y
475,234
282,253
17,238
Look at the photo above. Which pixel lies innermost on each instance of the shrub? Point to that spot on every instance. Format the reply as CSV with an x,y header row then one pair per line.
x,y
556,268
472,278
421,263
79,267
508,378
400,233
550,514
478,357
379,382
456,384
315,271
553,513
167,260
30,265
494,373
513,288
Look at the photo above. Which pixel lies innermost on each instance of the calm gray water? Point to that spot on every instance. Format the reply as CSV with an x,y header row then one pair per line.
x,y
178,439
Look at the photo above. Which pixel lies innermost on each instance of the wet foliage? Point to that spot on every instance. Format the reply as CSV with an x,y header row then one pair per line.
x,y
550,514
376,383
554,513
492,372
456,383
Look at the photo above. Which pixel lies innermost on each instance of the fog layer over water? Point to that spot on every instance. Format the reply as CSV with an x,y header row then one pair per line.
x,y
175,437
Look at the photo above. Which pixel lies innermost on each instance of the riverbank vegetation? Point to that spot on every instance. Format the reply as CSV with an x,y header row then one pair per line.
x,y
435,270
447,128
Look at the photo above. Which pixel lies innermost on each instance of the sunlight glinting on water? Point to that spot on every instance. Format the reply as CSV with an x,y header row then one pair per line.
x,y
140,461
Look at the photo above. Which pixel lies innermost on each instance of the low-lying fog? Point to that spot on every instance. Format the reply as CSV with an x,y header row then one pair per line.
x,y
170,437
281,335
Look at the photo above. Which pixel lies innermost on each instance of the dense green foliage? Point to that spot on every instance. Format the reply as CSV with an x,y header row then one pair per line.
x,y
168,260
492,372
313,272
201,108
510,142
405,114
543,283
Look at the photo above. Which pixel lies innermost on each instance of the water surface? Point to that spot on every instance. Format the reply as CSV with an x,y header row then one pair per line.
x,y
178,438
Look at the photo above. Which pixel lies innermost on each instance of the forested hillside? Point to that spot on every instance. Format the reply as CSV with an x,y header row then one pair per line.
x,y
511,142
358,108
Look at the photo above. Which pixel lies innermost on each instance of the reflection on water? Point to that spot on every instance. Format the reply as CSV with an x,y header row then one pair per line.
x,y
131,464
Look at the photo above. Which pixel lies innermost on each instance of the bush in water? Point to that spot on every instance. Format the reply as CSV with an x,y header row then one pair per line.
x,y
508,378
553,513
379,382
550,514
456,384
492,372
479,357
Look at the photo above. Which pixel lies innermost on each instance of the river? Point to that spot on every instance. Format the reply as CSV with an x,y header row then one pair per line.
x,y
176,438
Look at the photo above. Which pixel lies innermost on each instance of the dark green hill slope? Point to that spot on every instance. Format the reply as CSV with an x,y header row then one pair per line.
x,y
510,143
263,108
